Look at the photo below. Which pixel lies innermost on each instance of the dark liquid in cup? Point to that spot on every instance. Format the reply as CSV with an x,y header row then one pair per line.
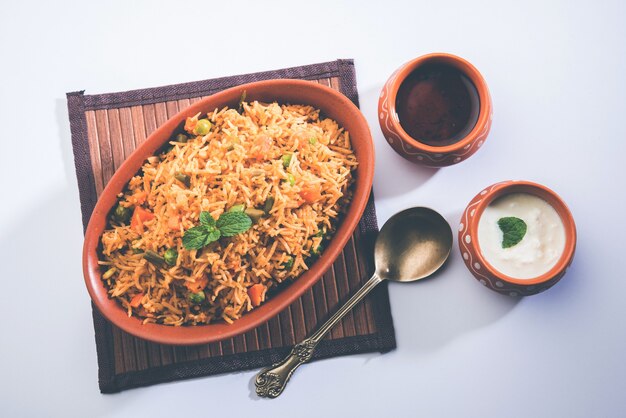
x,y
437,105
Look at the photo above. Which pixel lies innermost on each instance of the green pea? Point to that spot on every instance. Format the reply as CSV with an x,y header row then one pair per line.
x,y
181,138
122,214
291,179
286,160
203,127
237,208
170,256
197,298
312,141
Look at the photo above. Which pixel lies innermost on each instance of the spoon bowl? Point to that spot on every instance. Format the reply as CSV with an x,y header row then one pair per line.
x,y
412,245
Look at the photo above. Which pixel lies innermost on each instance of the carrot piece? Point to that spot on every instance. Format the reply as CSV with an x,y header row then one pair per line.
x,y
135,223
200,283
256,292
136,300
190,123
144,214
311,193
140,215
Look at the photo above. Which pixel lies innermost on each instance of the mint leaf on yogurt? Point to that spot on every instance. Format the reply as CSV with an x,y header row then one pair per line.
x,y
513,230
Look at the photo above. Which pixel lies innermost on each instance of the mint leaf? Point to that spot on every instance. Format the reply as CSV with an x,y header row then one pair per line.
x,y
513,230
229,224
233,223
212,235
206,219
195,238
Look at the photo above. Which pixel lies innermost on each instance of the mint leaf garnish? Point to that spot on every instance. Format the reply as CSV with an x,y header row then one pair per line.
x,y
233,223
228,225
195,238
206,219
513,230
212,235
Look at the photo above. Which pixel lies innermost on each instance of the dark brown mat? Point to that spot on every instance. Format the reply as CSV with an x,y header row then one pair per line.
x,y
108,127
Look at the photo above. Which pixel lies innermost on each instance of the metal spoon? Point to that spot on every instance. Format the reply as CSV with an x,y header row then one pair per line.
x,y
412,245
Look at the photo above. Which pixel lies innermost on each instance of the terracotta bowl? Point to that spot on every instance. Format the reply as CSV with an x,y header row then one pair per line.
x,y
334,105
482,270
421,153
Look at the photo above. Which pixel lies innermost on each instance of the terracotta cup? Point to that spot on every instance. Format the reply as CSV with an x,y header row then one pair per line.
x,y
421,153
486,274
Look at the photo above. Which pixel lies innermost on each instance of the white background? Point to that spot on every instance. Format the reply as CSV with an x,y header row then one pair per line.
x,y
556,74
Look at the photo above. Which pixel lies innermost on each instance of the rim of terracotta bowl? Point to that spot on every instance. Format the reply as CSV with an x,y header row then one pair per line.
x,y
470,72
549,196
334,105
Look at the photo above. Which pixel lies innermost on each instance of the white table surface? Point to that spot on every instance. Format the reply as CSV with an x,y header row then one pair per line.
x,y
556,73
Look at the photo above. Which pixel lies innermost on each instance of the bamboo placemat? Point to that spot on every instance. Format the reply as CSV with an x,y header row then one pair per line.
x,y
106,128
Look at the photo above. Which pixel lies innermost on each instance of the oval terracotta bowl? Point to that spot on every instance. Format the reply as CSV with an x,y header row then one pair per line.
x,y
332,104
418,152
486,274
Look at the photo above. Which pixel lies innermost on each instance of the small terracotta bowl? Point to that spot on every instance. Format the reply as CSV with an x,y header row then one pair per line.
x,y
486,274
421,153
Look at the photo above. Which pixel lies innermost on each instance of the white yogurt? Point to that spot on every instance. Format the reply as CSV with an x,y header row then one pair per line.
x,y
541,247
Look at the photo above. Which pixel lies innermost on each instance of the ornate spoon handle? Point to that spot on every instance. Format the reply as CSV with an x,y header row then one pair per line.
x,y
271,381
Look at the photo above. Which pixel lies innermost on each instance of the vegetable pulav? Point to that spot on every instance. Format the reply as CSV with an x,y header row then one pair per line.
x,y
238,202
